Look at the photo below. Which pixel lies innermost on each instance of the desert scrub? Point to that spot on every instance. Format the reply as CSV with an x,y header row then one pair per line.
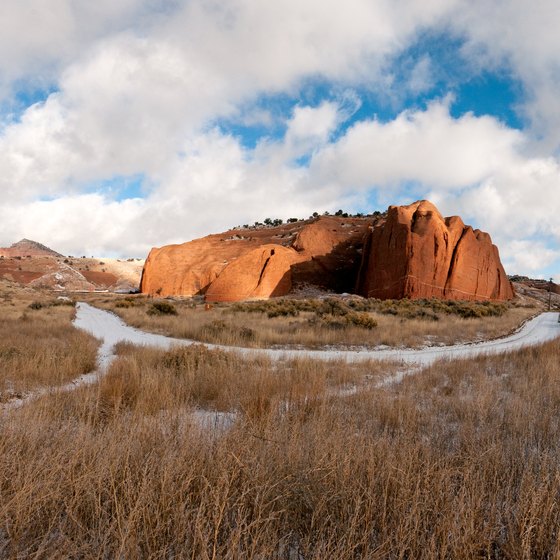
x,y
126,302
409,309
223,331
342,321
37,352
363,320
147,381
326,322
356,310
35,305
161,308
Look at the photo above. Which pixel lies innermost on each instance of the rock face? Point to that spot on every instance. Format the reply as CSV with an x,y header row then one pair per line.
x,y
324,251
262,273
63,280
416,253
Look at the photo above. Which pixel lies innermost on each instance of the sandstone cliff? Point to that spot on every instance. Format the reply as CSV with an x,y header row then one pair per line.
x,y
416,253
411,252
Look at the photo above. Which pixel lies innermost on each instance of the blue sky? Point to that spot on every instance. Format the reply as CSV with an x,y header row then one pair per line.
x,y
128,126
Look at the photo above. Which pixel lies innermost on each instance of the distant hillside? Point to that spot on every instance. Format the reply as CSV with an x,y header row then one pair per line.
x,y
28,248
537,283
537,288
36,265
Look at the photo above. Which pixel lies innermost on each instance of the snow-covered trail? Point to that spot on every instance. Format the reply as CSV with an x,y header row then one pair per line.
x,y
111,329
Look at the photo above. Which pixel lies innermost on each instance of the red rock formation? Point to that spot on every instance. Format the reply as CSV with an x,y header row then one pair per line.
x,y
416,253
327,251
262,273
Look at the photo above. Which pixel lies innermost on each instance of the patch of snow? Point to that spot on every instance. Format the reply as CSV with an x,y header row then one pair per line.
x,y
213,420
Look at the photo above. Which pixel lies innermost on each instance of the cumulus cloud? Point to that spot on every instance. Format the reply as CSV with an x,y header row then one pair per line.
x,y
529,256
130,96
426,146
87,224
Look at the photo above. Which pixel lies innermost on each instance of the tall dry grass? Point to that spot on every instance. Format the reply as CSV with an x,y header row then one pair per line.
x,y
38,344
414,324
460,461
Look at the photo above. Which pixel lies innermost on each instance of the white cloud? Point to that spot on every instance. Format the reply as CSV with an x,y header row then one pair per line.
x,y
528,256
425,146
272,44
79,225
134,91
421,77
37,38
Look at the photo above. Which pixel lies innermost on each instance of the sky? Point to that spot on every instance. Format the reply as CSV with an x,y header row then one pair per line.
x,y
132,124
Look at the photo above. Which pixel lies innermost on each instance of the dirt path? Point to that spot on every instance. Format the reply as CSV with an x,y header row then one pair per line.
x,y
111,329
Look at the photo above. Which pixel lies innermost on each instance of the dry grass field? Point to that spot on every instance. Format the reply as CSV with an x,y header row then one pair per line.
x,y
39,347
200,454
459,461
334,322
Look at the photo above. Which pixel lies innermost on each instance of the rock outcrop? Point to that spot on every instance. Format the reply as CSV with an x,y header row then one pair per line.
x,y
324,251
416,253
63,280
410,252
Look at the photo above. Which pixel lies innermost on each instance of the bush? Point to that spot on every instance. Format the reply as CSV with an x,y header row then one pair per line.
x,y
362,320
332,306
62,300
35,305
333,322
423,309
126,303
161,308
247,333
283,310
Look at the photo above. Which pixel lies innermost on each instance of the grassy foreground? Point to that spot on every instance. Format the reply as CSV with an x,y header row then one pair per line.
x,y
39,347
459,461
